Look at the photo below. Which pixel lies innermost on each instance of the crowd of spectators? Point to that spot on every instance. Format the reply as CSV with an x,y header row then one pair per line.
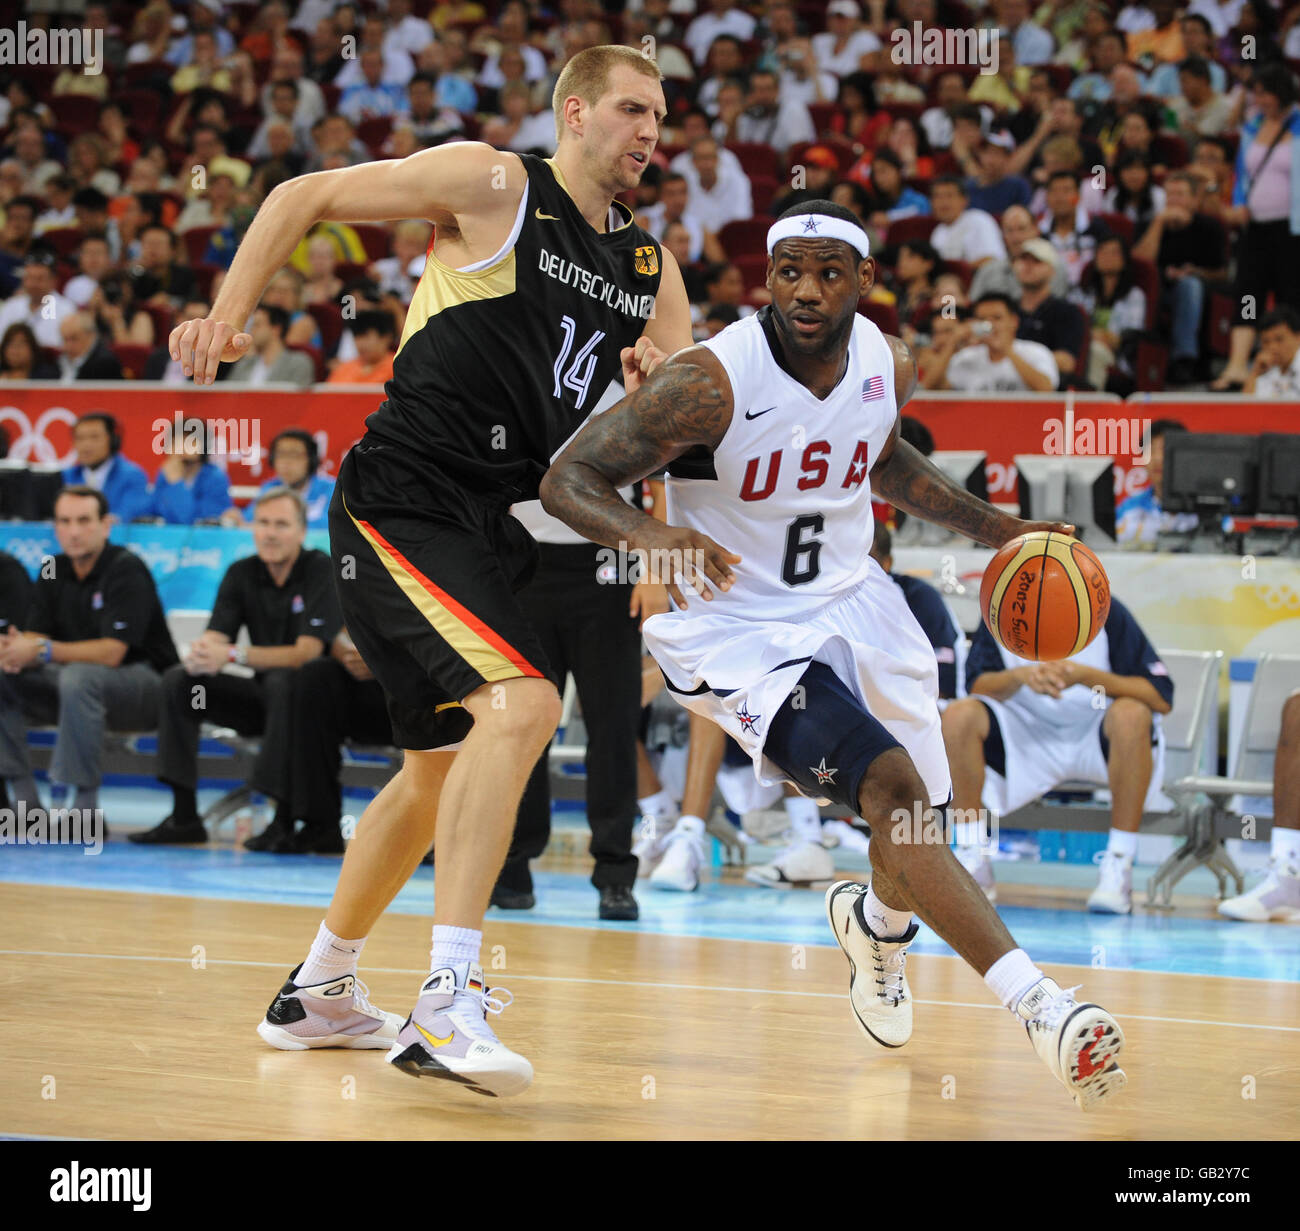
x,y
1166,128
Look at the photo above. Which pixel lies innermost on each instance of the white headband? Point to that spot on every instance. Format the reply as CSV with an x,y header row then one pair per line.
x,y
818,226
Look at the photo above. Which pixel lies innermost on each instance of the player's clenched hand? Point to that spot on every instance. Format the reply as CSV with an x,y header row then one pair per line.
x,y
673,551
201,345
639,361
1046,678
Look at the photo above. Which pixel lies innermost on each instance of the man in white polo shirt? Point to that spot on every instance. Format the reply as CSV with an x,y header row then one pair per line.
x,y
963,234
989,358
1276,371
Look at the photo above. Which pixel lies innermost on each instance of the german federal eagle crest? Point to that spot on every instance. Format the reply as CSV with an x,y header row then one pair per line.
x,y
646,262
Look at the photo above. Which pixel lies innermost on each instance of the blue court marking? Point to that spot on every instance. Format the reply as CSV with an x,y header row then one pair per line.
x,y
1173,943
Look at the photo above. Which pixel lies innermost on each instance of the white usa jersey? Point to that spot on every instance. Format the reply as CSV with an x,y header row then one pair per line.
x,y
788,488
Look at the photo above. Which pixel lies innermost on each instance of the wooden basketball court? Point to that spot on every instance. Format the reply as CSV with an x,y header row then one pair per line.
x,y
129,1015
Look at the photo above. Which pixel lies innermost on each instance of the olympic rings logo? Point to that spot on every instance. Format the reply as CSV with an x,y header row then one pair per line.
x,y
32,444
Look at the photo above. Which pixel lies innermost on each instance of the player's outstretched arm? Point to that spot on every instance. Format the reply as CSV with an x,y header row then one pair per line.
x,y
687,401
444,185
909,481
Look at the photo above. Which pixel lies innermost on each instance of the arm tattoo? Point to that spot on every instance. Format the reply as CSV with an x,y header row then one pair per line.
x,y
681,405
904,370
912,483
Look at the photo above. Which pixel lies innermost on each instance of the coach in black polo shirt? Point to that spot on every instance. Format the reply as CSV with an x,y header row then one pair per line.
x,y
15,593
89,655
284,595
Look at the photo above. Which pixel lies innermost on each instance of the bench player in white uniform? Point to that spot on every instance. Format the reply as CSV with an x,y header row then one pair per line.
x,y
1032,726
774,435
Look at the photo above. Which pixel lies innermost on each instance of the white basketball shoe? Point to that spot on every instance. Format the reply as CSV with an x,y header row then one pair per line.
x,y
802,865
1114,892
1276,899
975,859
684,857
1078,1042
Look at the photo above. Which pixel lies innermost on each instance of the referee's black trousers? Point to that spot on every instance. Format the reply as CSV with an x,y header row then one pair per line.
x,y
330,705
586,631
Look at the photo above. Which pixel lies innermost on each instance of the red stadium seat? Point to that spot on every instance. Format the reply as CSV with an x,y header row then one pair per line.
x,y
1170,150
134,75
330,93
376,240
753,268
1080,377
1222,315
317,360
144,110
203,276
63,240
1147,277
822,115
75,113
1117,224
349,272
919,226
963,269
755,157
1151,363
132,358
372,133
746,236
197,240
883,315
763,188
163,318
329,320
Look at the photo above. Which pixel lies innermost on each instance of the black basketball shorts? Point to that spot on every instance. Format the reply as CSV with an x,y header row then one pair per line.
x,y
427,573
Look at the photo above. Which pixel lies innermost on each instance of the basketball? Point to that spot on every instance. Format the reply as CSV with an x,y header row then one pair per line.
x,y
1044,596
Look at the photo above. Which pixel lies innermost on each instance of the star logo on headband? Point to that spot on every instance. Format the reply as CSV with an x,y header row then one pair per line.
x,y
810,225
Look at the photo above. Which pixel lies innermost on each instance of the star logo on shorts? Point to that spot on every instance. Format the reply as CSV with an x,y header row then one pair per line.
x,y
810,225
748,720
824,775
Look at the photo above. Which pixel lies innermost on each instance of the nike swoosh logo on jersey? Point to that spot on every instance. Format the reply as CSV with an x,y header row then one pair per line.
x,y
434,1041
750,414
547,217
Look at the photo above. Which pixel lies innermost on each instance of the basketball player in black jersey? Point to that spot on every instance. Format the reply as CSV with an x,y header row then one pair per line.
x,y
538,287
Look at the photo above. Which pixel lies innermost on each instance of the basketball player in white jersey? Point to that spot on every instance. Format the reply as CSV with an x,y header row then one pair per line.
x,y
774,435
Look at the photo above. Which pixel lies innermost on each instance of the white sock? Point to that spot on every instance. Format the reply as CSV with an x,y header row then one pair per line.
x,y
885,922
452,945
330,958
1011,976
658,804
1285,847
689,824
805,818
1122,843
969,833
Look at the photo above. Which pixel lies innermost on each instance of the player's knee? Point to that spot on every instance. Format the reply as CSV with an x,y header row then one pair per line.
x,y
520,710
1129,721
1291,717
965,721
890,791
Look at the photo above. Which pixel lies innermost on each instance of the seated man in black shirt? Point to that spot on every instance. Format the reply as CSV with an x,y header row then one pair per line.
x,y
1190,249
88,657
284,595
1056,323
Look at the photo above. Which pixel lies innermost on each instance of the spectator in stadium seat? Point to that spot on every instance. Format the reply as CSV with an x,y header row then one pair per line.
x,y
19,234
673,207
1134,194
846,41
821,170
1139,519
375,338
1163,41
1018,227
1198,42
950,93
914,271
29,151
189,488
1061,118
94,262
118,318
85,356
1045,317
1032,44
1200,110
518,128
204,68
159,278
858,119
1106,122
268,360
283,111
322,284
722,17
396,65
372,95
213,209
1105,51
994,359
724,285
20,356
287,64
1276,370
1069,229
160,365
717,196
771,119
1190,249
58,213
38,302
284,595
963,234
102,465
994,188
88,656
726,62
1210,164
400,272
802,79
295,461
1116,306
1028,726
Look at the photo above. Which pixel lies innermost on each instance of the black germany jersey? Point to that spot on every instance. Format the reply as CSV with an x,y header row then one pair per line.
x,y
499,366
